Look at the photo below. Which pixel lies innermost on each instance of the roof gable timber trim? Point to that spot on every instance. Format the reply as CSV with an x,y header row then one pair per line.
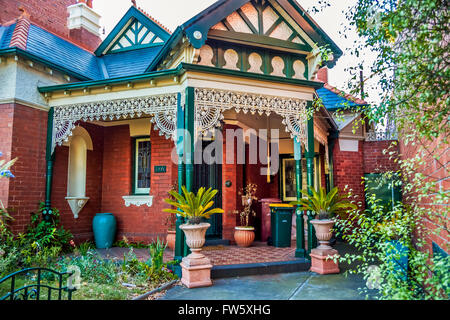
x,y
135,30
264,19
197,28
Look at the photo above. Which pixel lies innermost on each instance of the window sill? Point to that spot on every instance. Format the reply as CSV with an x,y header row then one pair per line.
x,y
138,200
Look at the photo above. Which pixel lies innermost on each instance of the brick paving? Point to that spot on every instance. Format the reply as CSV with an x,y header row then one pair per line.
x,y
219,255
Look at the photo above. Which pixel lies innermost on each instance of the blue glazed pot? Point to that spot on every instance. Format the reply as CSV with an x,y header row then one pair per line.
x,y
399,257
104,226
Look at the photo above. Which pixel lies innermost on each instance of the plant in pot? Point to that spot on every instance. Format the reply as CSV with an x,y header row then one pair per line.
x,y
193,207
170,223
324,206
244,235
394,236
171,230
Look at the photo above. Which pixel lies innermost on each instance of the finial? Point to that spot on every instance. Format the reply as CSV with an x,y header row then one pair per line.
x,y
133,2
24,13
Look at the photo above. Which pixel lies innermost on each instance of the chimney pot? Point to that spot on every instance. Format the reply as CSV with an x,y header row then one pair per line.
x,y
84,24
322,75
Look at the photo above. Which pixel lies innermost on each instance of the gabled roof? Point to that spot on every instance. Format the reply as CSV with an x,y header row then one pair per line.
x,y
135,30
196,29
333,98
129,63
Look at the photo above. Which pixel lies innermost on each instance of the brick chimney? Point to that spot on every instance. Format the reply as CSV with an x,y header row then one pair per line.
x,y
83,24
322,75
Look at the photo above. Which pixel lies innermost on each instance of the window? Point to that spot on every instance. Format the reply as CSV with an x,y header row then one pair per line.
x,y
141,174
288,179
288,182
386,192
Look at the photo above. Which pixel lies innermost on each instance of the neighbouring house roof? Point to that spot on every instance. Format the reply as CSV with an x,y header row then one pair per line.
x,y
333,98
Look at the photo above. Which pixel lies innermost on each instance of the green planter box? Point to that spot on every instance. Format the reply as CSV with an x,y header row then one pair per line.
x,y
281,224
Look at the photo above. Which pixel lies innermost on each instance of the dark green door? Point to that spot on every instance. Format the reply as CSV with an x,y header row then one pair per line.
x,y
210,175
384,189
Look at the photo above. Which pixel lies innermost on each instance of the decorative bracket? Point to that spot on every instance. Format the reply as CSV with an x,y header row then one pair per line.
x,y
138,200
76,204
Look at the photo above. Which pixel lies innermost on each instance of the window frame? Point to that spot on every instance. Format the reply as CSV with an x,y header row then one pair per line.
x,y
135,190
282,181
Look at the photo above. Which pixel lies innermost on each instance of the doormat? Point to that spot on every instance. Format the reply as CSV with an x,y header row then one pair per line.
x,y
214,248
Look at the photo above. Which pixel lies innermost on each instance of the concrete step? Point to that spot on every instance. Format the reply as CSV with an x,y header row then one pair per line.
x,y
250,269
217,242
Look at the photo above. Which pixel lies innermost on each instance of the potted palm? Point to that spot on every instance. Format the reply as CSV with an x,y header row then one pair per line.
x,y
324,206
244,235
194,207
170,223
171,231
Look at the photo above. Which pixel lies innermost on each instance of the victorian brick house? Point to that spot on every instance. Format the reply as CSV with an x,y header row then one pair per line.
x,y
93,123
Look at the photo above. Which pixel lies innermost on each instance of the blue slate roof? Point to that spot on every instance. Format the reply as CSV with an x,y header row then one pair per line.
x,y
82,63
333,101
62,53
5,35
129,63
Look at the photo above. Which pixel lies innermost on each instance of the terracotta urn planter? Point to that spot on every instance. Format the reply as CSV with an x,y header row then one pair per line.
x,y
244,236
195,235
323,232
196,268
170,239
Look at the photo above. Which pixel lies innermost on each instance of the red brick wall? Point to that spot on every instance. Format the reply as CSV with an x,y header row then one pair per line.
x,y
45,12
348,170
437,172
82,226
87,38
230,199
374,159
264,190
6,124
350,167
136,223
28,144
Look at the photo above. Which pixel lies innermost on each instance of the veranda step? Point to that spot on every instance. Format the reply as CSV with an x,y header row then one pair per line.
x,y
250,269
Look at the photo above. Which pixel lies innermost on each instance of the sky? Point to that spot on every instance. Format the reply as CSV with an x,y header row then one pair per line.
x,y
172,13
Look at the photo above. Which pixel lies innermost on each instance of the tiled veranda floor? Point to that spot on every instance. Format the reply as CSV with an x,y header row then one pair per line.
x,y
219,255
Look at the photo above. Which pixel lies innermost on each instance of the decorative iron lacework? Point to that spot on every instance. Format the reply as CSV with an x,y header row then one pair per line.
x,y
381,135
162,107
321,137
211,103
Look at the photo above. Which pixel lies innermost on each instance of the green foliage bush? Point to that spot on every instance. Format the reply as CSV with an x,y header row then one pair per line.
x,y
375,234
41,243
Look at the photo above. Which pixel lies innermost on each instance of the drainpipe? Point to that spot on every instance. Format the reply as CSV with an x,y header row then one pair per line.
x,y
309,155
300,227
189,142
332,138
180,240
49,157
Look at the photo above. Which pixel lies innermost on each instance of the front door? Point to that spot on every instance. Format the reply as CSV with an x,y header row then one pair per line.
x,y
210,176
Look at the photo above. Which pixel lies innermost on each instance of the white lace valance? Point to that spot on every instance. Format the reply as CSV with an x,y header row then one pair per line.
x,y
211,103
162,107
